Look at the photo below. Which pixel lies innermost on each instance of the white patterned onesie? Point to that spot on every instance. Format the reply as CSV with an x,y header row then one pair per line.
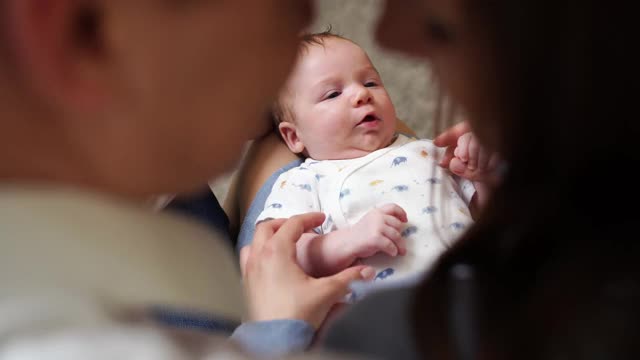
x,y
405,173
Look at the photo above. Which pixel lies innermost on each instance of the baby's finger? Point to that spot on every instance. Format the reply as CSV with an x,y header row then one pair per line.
x,y
391,234
394,210
395,236
458,167
393,221
386,246
451,135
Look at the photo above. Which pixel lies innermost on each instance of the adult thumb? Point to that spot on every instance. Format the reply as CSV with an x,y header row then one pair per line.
x,y
339,283
244,256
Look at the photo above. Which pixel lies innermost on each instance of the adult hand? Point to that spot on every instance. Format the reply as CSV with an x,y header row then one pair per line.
x,y
277,288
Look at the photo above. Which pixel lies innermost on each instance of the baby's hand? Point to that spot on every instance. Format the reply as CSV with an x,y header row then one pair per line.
x,y
379,231
471,160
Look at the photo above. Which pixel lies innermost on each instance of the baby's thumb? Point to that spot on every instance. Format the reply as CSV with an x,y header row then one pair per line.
x,y
458,167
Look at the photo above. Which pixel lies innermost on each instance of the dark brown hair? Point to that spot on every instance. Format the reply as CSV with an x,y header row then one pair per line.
x,y
550,269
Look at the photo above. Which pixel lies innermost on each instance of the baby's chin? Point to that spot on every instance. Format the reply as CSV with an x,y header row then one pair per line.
x,y
377,142
353,152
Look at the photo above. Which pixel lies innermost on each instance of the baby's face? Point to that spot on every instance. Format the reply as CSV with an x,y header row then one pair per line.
x,y
340,106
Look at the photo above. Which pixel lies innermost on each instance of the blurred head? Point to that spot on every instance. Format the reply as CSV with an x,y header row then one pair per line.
x,y
459,48
528,87
548,84
138,97
334,105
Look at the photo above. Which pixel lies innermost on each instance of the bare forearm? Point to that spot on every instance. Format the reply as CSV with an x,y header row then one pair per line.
x,y
322,255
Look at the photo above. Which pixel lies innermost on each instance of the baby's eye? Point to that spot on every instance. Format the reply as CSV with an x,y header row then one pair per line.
x,y
332,95
370,84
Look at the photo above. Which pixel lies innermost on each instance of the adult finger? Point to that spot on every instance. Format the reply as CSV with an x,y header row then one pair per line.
x,y
245,252
450,136
264,232
335,287
494,161
472,153
329,290
449,154
289,233
483,159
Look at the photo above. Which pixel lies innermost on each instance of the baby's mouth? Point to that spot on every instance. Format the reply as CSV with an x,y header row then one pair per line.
x,y
368,118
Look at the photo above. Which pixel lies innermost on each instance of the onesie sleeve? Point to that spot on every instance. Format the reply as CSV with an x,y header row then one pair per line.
x,y
294,192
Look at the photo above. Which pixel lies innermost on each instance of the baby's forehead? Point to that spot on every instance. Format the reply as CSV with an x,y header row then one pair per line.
x,y
326,60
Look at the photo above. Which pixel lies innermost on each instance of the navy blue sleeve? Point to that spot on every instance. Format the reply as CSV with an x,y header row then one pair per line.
x,y
203,207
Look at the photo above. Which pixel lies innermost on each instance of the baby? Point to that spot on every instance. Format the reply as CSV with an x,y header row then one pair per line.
x,y
387,202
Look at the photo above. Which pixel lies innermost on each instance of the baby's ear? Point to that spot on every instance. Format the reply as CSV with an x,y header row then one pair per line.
x,y
290,135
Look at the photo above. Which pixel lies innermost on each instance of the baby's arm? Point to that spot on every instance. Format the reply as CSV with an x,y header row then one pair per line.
x,y
378,231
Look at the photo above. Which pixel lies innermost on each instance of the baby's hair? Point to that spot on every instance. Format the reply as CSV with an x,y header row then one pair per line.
x,y
311,39
281,111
